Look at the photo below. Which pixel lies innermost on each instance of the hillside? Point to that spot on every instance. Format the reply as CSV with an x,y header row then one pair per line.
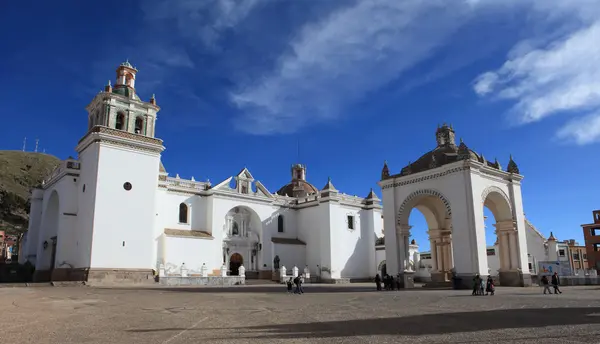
x,y
19,172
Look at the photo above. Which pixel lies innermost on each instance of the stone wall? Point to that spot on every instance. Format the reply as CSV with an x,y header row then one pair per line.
x,y
206,281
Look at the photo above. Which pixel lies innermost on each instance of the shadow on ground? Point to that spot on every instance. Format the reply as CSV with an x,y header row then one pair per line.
x,y
430,324
275,289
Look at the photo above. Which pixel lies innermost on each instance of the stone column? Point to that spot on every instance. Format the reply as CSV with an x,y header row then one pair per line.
x,y
510,274
406,277
434,264
514,250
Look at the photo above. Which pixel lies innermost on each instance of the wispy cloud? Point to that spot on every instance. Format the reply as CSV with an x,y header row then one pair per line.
x,y
557,77
341,58
202,19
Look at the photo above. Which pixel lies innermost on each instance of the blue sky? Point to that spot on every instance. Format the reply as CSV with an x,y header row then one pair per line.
x,y
240,82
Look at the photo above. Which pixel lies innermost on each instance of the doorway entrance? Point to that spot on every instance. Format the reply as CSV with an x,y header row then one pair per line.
x,y
235,262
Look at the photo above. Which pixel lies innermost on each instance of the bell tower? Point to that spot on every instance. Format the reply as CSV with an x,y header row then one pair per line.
x,y
120,161
119,106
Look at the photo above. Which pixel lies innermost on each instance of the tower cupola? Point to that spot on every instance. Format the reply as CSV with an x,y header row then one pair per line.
x,y
125,84
445,136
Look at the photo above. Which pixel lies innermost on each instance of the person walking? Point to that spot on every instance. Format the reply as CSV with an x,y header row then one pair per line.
x,y
489,286
546,284
555,283
476,285
378,282
289,286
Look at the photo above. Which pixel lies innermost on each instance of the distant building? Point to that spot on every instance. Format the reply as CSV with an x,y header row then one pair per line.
x,y
591,235
577,255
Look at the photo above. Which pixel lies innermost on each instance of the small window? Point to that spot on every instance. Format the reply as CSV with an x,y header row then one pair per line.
x,y
120,122
530,266
491,252
575,256
183,213
235,229
280,223
244,189
139,125
350,222
561,253
584,256
597,247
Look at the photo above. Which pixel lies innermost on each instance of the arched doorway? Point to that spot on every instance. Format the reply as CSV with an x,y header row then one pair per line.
x,y
382,268
242,234
498,204
435,208
48,238
235,261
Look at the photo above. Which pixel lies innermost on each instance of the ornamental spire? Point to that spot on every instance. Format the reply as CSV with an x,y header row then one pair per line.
x,y
512,166
385,171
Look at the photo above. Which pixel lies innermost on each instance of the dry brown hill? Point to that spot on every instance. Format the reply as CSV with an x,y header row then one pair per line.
x,y
19,172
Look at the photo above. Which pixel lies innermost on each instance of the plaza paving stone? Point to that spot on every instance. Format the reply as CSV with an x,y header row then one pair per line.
x,y
324,314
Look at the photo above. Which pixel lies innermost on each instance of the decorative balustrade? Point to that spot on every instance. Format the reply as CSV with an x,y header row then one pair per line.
x,y
70,165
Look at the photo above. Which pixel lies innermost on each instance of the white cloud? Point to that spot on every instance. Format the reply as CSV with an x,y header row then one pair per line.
x,y
341,58
582,131
562,76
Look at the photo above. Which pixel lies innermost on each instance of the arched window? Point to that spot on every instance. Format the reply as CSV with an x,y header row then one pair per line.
x,y
280,223
120,122
183,213
139,125
234,229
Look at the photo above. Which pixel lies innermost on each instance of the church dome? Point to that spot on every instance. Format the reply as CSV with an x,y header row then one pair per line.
x,y
297,188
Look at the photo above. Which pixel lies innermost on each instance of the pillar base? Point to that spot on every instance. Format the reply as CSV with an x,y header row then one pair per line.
x,y
514,278
407,280
441,276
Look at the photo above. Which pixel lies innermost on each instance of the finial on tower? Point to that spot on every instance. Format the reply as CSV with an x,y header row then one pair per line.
x,y
153,99
385,171
512,166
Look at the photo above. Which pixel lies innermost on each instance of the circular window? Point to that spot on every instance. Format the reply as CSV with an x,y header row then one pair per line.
x,y
127,186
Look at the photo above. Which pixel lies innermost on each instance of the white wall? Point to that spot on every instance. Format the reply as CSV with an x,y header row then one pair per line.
x,y
193,252
313,222
124,221
291,255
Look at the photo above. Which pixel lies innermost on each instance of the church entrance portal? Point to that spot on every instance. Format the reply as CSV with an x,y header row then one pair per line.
x,y
235,261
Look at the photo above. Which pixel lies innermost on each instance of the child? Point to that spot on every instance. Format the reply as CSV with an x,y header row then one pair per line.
x,y
289,286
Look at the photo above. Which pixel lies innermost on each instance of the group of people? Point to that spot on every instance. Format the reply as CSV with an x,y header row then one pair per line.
x,y
389,283
297,281
481,287
555,282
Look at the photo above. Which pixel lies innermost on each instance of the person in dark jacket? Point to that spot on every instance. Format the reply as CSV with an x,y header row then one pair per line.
x,y
489,289
546,284
378,281
555,283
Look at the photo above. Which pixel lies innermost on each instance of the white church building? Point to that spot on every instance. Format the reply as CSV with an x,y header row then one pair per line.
x,y
115,213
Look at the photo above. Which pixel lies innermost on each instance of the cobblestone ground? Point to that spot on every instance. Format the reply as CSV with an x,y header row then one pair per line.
x,y
324,314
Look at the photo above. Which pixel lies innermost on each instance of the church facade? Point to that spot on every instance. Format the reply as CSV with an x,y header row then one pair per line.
x,y
115,213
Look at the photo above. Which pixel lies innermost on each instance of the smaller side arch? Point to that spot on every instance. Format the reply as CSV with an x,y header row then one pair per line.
x,y
498,202
405,206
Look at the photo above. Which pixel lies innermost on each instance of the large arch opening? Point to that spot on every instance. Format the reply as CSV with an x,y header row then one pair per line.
x,y
46,256
435,210
500,230
242,236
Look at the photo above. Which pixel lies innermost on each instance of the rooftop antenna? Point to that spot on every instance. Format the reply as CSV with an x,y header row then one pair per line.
x,y
24,143
37,141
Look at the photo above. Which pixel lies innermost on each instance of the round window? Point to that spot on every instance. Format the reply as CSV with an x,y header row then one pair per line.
x,y
127,186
